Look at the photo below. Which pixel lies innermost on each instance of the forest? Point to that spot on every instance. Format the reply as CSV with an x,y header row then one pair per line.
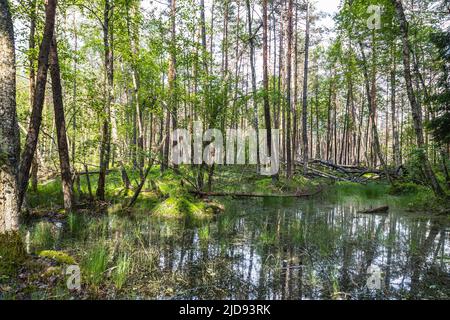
x,y
224,149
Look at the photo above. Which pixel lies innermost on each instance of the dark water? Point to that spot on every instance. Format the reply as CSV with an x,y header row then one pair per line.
x,y
271,249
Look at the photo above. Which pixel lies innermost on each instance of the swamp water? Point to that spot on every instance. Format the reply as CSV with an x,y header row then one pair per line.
x,y
319,248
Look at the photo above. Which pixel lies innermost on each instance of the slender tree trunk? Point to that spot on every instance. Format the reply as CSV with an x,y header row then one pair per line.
x,y
371,94
295,135
133,36
330,94
266,79
395,137
318,153
32,76
9,129
60,123
415,107
105,148
74,93
225,71
360,125
205,83
38,102
172,74
305,96
288,91
253,71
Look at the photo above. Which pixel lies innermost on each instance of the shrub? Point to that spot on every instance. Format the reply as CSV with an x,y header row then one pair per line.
x,y
403,189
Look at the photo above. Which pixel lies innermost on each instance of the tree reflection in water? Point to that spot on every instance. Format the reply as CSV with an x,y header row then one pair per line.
x,y
266,249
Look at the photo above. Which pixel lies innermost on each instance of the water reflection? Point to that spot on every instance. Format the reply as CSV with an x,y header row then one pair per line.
x,y
264,250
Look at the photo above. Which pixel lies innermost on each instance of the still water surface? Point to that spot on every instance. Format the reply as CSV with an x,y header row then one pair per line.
x,y
272,249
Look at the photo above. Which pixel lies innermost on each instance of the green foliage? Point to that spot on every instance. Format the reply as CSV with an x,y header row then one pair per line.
x,y
414,165
369,191
94,264
43,235
267,238
405,188
440,124
204,233
76,224
122,270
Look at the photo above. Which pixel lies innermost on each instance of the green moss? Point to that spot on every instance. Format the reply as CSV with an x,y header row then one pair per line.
x,y
182,206
58,256
12,253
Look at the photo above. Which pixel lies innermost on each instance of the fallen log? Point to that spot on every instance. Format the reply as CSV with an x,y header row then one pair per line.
x,y
351,170
384,210
326,175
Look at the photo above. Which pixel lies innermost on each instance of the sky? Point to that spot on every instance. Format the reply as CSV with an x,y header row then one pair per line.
x,y
329,6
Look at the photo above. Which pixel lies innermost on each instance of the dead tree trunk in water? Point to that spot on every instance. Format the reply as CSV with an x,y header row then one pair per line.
x,y
60,123
38,101
9,129
415,107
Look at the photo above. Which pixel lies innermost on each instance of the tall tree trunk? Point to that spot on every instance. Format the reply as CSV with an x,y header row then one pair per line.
x,y
330,96
60,123
172,75
295,131
415,107
395,136
74,93
305,96
9,129
38,102
32,77
205,84
318,143
253,71
133,36
105,148
266,79
288,90
371,95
